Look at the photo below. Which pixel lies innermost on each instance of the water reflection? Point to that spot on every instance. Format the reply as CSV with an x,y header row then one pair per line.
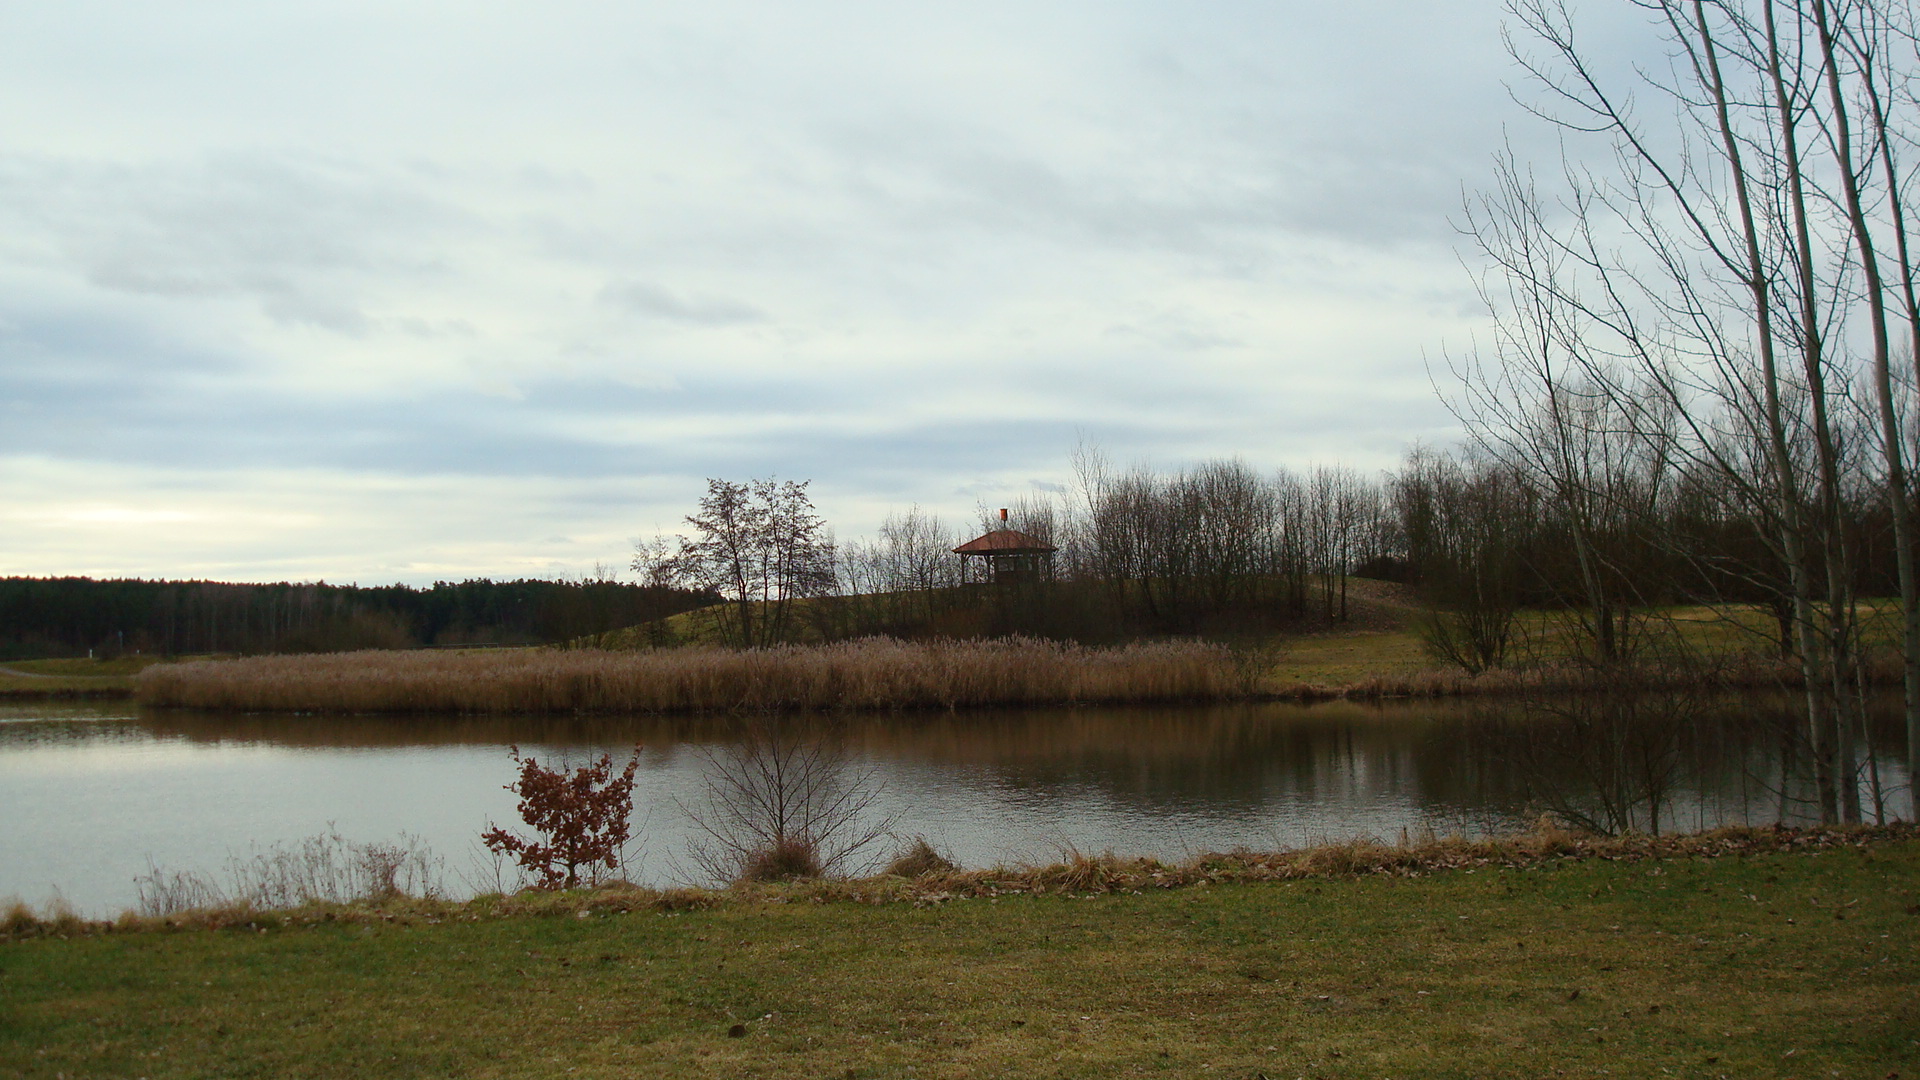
x,y
90,799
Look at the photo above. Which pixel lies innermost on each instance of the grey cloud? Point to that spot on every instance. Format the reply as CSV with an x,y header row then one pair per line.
x,y
1241,215
81,380
306,239
144,404
644,298
1174,332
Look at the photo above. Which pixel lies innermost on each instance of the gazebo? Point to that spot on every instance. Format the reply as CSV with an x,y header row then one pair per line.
x,y
1009,555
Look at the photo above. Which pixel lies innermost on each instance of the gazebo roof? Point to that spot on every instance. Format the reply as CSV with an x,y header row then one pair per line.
x,y
1005,542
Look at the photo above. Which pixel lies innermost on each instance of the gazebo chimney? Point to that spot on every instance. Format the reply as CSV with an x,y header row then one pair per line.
x,y
1003,515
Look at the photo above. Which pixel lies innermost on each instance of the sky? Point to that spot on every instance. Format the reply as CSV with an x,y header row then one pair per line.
x,y
411,291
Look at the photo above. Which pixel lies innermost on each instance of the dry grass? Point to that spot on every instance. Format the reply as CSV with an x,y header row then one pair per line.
x,y
875,673
1682,646
326,868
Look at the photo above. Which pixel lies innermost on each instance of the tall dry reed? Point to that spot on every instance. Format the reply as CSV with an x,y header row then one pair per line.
x,y
874,673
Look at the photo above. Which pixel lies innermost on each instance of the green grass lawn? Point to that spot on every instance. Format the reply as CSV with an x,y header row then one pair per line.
x,y
1344,658
1340,659
1771,965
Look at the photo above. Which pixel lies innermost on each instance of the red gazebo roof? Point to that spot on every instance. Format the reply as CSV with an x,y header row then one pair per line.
x,y
1005,542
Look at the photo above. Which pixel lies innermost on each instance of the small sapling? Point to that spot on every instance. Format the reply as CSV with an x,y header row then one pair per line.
x,y
580,816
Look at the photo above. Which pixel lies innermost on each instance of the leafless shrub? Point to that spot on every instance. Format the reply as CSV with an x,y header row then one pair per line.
x,y
780,803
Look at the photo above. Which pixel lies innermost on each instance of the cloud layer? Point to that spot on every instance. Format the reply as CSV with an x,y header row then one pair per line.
x,y
397,292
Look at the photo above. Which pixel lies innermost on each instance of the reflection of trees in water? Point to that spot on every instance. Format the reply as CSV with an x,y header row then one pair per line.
x,y
1604,762
1651,760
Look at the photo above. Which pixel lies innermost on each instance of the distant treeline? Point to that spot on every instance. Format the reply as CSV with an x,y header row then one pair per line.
x,y
1218,549
69,616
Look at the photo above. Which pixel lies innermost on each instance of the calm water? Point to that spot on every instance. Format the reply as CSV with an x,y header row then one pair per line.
x,y
94,796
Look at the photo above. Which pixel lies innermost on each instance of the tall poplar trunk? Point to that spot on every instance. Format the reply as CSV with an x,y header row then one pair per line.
x,y
1892,439
1788,510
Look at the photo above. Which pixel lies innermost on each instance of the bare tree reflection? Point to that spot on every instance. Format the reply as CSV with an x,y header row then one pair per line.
x,y
781,802
1610,759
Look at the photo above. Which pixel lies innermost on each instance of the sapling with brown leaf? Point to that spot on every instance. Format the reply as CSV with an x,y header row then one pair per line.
x,y
581,818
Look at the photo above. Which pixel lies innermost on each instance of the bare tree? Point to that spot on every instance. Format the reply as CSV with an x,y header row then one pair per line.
x,y
782,803
1703,290
760,546
1469,526
902,580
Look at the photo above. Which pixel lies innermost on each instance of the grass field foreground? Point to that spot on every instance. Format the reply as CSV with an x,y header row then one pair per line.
x,y
1779,964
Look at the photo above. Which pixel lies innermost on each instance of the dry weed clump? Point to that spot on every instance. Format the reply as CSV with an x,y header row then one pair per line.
x,y
869,674
918,859
787,859
324,869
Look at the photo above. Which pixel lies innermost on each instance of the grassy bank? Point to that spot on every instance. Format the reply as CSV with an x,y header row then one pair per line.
x,y
875,673
70,678
1746,955
1726,647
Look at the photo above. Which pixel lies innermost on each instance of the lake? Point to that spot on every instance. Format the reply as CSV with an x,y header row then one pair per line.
x,y
95,795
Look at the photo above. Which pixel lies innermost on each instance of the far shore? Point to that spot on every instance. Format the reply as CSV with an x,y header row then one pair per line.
x,y
1386,660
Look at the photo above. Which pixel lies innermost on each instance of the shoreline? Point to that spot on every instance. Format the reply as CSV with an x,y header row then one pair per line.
x,y
1079,876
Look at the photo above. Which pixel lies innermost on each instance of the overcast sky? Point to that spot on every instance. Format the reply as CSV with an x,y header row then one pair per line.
x,y
403,291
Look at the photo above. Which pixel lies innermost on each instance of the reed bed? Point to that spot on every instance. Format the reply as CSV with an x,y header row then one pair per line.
x,y
870,674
